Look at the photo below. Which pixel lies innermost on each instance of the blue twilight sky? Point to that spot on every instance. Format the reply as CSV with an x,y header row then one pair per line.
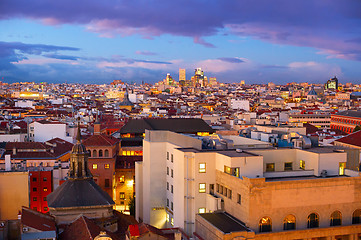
x,y
97,41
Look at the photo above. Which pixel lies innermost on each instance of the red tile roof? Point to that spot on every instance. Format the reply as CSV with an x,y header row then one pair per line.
x,y
352,139
100,140
84,229
37,220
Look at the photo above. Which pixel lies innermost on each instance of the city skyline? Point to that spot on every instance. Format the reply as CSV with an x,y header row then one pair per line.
x,y
97,42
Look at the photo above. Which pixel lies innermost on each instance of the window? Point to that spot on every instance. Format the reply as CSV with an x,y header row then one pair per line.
x,y
167,170
270,167
171,157
229,193
45,209
239,198
167,217
100,153
312,220
107,183
95,166
45,179
172,221
217,186
336,218
220,189
265,224
106,166
302,165
167,202
94,153
45,189
122,179
202,210
227,169
122,195
289,223
171,206
35,199
202,167
106,153
44,199
167,185
341,170
356,216
35,179
202,187
288,166
171,172
167,155
171,189
225,191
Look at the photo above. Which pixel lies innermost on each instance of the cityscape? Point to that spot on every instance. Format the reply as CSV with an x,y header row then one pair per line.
x,y
140,120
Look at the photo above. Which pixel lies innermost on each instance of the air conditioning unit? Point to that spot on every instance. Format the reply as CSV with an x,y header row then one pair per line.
x,y
324,173
25,229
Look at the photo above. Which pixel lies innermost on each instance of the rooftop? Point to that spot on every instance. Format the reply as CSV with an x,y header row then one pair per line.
x,y
224,222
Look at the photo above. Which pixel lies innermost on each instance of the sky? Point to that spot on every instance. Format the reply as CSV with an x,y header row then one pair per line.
x,y
258,41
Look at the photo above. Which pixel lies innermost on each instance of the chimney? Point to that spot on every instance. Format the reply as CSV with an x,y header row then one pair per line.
x,y
7,162
177,236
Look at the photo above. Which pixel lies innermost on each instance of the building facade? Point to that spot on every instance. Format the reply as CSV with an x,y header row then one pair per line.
x,y
346,121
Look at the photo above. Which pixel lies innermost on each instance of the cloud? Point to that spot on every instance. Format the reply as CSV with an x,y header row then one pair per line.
x,y
297,22
231,60
146,53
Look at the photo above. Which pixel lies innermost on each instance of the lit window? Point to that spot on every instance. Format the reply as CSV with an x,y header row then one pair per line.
x,y
45,189
270,167
289,223
202,210
341,170
167,217
95,166
288,166
202,187
45,209
35,199
121,195
265,224
106,166
172,221
122,179
202,167
312,220
302,164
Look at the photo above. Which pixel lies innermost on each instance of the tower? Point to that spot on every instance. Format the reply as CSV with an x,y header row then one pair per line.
x,y
97,125
80,194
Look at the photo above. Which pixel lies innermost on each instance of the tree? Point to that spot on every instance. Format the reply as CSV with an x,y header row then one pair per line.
x,y
131,205
357,128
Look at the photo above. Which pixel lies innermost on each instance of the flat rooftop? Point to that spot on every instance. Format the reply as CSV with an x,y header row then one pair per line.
x,y
224,222
277,179
226,152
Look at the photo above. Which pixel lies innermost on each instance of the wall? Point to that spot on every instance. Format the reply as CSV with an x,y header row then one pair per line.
x,y
14,193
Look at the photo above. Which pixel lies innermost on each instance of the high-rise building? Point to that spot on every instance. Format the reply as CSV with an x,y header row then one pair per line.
x,y
199,80
182,75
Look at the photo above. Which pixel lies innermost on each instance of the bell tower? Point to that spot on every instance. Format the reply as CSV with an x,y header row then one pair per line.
x,y
79,160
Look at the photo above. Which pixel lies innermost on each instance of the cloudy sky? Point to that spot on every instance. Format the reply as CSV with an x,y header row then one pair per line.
x,y
97,41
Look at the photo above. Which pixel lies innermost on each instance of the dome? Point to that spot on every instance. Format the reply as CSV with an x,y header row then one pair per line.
x,y
103,236
78,148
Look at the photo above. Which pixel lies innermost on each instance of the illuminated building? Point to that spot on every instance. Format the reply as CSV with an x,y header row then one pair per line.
x,y
199,80
331,84
346,121
40,187
247,194
320,120
182,76
212,81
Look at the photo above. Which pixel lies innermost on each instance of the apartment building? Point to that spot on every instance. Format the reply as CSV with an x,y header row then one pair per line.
x,y
254,194
320,120
346,121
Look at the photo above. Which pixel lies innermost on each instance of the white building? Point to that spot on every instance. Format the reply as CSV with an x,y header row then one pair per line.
x,y
238,104
44,130
178,180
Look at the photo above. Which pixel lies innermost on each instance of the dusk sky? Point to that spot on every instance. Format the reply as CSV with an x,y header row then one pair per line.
x,y
97,41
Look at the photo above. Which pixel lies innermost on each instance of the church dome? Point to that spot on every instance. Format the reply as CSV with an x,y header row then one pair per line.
x,y
103,236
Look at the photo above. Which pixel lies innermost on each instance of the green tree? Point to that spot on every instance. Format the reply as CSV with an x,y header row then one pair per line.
x,y
357,128
131,205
